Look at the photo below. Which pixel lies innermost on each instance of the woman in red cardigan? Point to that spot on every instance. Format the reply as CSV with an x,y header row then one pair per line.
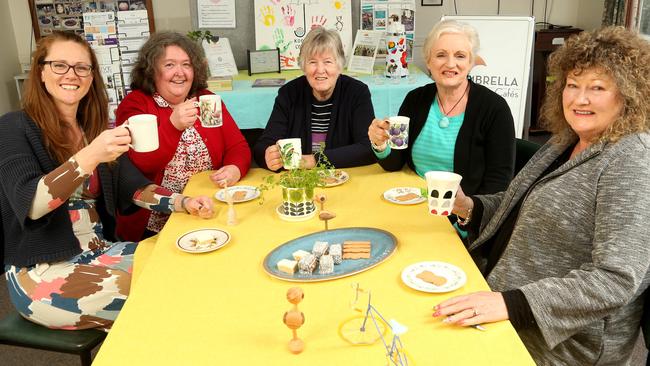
x,y
168,78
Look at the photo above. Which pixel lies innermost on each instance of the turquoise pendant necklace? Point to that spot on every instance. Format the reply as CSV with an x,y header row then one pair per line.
x,y
444,121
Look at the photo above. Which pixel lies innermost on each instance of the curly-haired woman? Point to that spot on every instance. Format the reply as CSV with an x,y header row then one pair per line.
x,y
565,248
169,76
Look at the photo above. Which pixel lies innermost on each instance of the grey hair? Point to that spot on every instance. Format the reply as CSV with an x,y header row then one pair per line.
x,y
320,40
451,27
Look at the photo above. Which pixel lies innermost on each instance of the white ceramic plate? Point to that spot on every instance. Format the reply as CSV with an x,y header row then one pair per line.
x,y
455,276
393,195
280,211
339,177
188,241
251,193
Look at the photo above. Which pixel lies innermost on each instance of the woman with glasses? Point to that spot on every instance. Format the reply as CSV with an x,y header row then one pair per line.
x,y
168,78
64,176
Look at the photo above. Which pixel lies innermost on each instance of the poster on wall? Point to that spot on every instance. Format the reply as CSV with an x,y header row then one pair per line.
x,y
508,64
377,14
284,24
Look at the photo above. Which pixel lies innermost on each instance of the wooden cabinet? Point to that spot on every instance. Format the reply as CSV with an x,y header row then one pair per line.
x,y
546,41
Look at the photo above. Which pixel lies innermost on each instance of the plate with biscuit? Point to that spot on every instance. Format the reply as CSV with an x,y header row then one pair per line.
x,y
331,254
404,196
335,178
239,194
203,240
434,277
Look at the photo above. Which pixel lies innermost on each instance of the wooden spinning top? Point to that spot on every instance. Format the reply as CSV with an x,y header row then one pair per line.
x,y
294,319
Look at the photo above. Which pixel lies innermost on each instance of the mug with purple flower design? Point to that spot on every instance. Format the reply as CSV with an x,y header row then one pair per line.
x,y
398,132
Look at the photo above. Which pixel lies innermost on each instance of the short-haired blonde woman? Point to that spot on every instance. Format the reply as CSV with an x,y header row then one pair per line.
x,y
565,249
322,108
456,125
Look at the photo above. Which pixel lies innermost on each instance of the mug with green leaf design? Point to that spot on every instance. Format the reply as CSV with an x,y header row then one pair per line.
x,y
290,152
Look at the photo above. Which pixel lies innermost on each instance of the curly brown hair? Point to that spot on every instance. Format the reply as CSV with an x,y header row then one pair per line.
x,y
618,52
92,113
143,74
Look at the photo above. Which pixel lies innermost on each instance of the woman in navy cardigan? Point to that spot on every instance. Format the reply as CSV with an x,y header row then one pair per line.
x,y
328,111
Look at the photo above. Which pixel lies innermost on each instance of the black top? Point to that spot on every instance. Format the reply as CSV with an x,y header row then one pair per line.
x,y
519,311
23,161
347,142
484,154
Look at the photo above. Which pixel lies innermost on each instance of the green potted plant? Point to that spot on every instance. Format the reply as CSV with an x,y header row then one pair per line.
x,y
298,187
199,36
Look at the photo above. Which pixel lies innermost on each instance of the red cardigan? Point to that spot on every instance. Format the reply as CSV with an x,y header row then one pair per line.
x,y
226,145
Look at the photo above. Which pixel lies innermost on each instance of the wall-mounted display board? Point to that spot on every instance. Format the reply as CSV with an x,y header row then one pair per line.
x,y
115,29
508,64
375,15
284,24
50,15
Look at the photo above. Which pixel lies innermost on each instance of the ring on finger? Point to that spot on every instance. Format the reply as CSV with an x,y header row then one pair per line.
x,y
475,312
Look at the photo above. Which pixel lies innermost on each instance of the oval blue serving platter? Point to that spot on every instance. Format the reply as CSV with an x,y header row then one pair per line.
x,y
383,244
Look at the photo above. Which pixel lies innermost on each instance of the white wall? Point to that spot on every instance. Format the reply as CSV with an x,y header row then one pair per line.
x,y
9,66
16,38
585,14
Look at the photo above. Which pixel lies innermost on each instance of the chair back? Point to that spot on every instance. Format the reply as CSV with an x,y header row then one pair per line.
x,y
524,150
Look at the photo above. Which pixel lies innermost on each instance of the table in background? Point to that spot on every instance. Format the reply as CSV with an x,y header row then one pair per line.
x,y
251,107
222,308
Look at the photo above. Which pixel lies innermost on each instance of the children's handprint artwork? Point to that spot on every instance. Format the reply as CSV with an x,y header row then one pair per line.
x,y
318,21
289,14
280,41
285,23
267,16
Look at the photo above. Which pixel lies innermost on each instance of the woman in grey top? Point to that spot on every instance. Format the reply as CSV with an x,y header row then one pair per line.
x,y
566,248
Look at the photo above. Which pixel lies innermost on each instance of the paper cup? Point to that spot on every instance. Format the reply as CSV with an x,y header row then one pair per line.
x,y
398,132
210,111
144,132
441,188
291,152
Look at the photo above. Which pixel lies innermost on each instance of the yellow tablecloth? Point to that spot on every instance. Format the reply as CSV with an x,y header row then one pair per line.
x,y
221,308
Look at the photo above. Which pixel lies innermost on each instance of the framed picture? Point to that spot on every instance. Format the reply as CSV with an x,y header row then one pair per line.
x,y
431,2
67,15
262,61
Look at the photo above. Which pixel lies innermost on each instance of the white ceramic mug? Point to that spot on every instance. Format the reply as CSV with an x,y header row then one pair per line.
x,y
441,189
291,152
143,129
398,132
210,110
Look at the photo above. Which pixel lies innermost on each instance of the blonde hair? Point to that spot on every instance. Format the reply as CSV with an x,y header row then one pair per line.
x,y
451,27
320,40
619,53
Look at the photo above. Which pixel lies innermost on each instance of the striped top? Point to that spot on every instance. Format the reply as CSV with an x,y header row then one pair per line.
x,y
321,113
434,147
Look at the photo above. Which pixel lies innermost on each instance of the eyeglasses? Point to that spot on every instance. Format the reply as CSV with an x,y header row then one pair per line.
x,y
61,68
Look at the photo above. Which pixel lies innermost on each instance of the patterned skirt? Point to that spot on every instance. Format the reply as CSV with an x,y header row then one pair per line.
x,y
86,291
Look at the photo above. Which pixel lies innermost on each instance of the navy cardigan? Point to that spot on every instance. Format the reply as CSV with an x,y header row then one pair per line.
x,y
23,161
485,147
347,142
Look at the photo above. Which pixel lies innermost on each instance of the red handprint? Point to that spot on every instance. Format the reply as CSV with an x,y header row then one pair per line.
x,y
318,21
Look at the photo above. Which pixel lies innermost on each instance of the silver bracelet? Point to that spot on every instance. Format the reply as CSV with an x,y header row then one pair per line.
x,y
183,204
464,221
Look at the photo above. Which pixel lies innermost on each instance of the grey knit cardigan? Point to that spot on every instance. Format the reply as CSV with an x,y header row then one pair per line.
x,y
579,251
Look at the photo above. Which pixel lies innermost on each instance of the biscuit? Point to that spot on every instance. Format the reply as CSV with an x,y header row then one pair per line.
x,y
407,197
239,195
430,277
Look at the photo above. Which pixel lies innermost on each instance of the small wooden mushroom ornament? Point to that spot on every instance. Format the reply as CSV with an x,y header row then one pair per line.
x,y
326,216
294,319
